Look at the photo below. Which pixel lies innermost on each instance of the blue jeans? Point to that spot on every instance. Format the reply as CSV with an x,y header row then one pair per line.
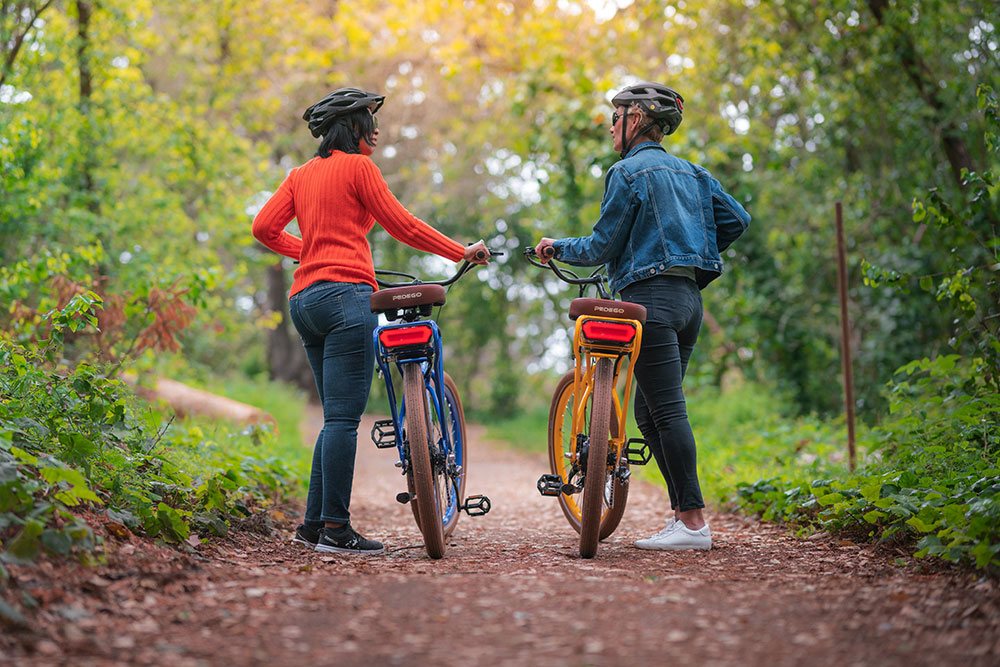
x,y
336,324
673,318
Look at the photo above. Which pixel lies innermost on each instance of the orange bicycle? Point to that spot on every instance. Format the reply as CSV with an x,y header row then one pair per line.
x,y
589,454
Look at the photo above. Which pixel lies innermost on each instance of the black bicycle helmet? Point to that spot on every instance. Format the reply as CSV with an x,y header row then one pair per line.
x,y
337,104
663,105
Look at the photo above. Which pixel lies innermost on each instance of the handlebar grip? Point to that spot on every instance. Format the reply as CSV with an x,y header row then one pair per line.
x,y
548,252
480,255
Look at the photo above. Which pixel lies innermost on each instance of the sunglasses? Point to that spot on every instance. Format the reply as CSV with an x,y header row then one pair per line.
x,y
616,115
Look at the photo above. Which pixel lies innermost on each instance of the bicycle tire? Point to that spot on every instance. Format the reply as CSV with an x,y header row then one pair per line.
x,y
421,469
595,480
455,416
562,400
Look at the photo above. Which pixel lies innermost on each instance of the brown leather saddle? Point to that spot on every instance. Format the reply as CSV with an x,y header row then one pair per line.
x,y
411,296
607,308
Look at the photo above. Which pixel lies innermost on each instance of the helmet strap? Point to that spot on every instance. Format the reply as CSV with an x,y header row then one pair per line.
x,y
627,146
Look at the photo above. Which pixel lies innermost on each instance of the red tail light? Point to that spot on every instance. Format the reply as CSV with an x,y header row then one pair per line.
x,y
609,332
404,336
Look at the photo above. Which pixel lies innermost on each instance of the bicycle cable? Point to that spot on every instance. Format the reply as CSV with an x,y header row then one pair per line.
x,y
597,278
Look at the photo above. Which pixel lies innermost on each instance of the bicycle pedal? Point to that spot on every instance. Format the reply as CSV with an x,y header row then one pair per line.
x,y
384,434
637,452
550,485
476,505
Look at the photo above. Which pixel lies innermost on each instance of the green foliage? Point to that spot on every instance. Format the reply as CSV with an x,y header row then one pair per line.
x,y
967,284
76,439
931,477
748,432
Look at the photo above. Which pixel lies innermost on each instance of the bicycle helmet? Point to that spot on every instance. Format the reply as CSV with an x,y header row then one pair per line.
x,y
338,104
661,104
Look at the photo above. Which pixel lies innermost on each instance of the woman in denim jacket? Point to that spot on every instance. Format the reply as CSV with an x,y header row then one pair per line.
x,y
663,224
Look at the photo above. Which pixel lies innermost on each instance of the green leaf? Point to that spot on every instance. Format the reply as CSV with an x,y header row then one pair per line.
x,y
871,490
874,516
172,524
77,447
8,473
124,517
921,525
211,523
986,554
57,542
884,503
23,456
24,548
79,490
830,499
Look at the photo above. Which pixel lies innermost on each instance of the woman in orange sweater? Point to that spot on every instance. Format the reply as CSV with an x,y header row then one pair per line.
x,y
337,197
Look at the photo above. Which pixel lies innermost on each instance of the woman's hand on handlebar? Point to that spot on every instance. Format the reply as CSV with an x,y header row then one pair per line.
x,y
545,251
477,253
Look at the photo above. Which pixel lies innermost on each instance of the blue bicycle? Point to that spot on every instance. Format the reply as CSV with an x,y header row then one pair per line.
x,y
427,427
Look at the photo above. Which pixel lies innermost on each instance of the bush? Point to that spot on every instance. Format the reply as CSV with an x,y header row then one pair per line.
x,y
931,477
73,437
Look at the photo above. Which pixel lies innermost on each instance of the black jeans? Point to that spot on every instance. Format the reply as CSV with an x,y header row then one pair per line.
x,y
673,319
336,325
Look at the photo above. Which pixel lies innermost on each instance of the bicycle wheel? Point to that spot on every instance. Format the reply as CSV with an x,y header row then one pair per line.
x,y
595,481
428,513
450,482
562,450
451,485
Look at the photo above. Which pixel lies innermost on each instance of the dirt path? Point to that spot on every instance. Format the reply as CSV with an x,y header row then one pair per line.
x,y
511,591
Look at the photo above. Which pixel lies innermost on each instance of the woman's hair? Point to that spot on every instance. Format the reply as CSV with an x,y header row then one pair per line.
x,y
347,132
653,127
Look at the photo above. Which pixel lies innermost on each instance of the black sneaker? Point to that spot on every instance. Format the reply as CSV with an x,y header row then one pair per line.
x,y
346,540
307,535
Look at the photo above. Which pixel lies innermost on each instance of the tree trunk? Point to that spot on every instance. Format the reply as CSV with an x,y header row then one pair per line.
x,y
920,74
286,359
84,11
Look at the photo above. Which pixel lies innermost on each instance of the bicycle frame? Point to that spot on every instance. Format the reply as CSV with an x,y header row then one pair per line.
x,y
427,421
430,358
585,352
590,453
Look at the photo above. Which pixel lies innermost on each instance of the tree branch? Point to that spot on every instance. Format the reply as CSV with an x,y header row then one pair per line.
x,y
920,74
8,65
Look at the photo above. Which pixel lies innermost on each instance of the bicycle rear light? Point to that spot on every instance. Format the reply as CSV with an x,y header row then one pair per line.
x,y
608,332
405,336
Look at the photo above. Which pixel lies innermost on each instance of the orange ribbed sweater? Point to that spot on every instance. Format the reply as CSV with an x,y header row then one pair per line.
x,y
336,201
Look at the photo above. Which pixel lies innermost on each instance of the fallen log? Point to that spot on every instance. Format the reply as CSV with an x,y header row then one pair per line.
x,y
188,401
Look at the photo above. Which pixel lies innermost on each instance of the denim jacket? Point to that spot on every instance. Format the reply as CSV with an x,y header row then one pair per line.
x,y
658,212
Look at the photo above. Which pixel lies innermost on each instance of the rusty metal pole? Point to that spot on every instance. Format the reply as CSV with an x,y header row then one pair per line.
x,y
845,339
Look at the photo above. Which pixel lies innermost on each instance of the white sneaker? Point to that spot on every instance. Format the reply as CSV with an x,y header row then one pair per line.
x,y
671,522
679,538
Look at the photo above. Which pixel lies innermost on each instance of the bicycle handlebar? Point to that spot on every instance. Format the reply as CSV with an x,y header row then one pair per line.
x,y
413,280
567,276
